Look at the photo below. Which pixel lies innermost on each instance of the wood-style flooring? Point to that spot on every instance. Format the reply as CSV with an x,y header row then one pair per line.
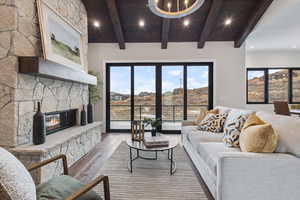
x,y
86,168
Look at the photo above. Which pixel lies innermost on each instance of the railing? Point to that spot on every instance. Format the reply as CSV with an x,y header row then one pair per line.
x,y
170,113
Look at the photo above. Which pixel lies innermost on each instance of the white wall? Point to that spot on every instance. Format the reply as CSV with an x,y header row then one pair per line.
x,y
272,59
229,65
269,59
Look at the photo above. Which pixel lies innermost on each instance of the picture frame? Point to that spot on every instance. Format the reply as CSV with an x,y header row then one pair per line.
x,y
62,43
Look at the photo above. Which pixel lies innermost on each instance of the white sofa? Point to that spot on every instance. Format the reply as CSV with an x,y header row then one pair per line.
x,y
234,175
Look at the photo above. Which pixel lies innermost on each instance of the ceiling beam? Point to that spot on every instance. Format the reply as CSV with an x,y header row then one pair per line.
x,y
254,19
114,15
210,21
165,29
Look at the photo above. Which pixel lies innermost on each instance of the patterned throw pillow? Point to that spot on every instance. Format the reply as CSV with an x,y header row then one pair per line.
x,y
203,114
233,130
213,123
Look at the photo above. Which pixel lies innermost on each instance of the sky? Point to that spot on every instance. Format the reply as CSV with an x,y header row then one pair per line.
x,y
144,78
258,74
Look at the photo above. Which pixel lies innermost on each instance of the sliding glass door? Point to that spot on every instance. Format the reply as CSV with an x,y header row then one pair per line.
x,y
197,90
120,97
172,97
169,91
144,92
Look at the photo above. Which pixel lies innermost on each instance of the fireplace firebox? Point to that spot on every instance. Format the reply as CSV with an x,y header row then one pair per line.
x,y
55,121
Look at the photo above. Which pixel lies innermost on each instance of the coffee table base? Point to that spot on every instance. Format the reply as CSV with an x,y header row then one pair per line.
x,y
170,157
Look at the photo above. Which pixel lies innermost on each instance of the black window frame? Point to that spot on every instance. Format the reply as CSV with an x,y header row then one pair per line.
x,y
266,84
291,85
158,69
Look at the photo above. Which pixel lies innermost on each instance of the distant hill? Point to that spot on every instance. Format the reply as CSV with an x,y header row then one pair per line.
x,y
195,96
278,86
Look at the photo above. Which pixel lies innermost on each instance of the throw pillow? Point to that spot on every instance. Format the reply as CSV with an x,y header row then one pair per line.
x,y
258,136
62,187
15,180
233,130
253,120
203,113
213,123
234,114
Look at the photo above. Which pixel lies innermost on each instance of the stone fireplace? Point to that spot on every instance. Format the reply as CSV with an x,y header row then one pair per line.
x,y
19,93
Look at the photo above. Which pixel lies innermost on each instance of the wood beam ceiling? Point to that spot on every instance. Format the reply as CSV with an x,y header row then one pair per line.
x,y
165,28
212,16
114,15
256,16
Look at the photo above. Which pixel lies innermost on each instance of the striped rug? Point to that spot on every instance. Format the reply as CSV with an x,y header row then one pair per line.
x,y
150,180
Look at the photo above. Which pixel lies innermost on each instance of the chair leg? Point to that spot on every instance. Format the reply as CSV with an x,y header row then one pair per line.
x,y
106,188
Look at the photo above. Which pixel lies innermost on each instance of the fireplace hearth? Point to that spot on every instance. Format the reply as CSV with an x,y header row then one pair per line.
x,y
56,121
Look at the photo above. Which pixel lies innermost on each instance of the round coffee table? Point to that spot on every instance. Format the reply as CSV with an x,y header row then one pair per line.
x,y
139,146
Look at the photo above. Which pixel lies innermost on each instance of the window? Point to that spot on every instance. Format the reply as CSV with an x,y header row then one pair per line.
x,y
256,86
197,90
266,85
278,85
296,86
171,92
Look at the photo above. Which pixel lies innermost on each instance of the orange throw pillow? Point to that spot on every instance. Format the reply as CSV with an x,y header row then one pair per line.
x,y
203,114
258,136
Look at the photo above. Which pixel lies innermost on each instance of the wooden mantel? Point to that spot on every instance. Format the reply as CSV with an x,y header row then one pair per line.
x,y
40,67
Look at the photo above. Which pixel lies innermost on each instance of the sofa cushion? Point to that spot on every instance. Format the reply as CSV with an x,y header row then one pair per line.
x,y
234,114
209,152
288,130
196,136
213,123
15,180
61,187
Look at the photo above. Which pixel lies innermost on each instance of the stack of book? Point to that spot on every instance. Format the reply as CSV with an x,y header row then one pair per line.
x,y
156,141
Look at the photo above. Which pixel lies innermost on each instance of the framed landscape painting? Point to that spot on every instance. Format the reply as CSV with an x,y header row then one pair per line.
x,y
61,42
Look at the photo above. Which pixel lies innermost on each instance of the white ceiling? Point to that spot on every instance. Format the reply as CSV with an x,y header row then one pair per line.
x,y
279,28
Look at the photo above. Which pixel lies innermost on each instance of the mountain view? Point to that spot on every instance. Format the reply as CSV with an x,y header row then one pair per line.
x,y
172,93
278,85
197,99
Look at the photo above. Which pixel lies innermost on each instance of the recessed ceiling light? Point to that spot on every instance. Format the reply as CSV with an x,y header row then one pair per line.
x,y
186,22
294,47
228,21
252,47
141,23
169,5
96,24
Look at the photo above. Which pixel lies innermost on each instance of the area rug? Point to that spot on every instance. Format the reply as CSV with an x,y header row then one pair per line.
x,y
150,179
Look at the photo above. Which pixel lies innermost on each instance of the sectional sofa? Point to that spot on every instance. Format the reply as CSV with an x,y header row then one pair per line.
x,y
234,175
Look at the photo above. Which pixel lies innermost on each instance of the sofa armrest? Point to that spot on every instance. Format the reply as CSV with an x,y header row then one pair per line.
x,y
187,123
259,176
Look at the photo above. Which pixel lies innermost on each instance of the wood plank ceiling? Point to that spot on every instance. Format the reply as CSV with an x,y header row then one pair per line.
x,y
119,22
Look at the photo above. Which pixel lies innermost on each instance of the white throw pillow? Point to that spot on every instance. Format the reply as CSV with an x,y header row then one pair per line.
x,y
15,181
234,114
232,131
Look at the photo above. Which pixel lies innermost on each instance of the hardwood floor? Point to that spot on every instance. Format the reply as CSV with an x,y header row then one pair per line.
x,y
86,168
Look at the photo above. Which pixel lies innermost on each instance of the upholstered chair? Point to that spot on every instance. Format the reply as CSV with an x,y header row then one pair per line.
x,y
16,182
281,108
